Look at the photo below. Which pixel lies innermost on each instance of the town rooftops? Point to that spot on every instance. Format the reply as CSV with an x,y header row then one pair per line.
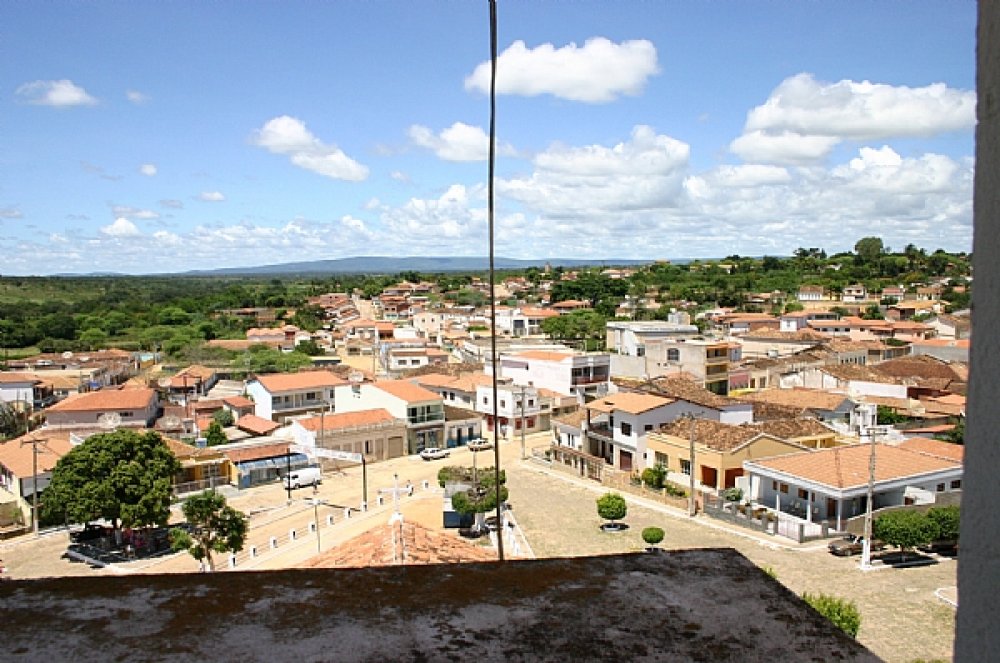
x,y
712,434
939,448
406,391
343,420
846,467
631,402
680,388
107,399
17,454
244,454
255,425
812,399
279,382
18,378
793,428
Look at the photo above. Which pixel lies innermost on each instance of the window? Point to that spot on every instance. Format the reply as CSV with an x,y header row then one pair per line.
x,y
648,427
530,422
940,488
783,488
503,403
662,459
956,484
774,485
531,402
368,447
626,428
673,354
803,494
124,415
685,467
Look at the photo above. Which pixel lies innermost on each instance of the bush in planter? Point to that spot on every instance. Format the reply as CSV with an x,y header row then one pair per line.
x,y
611,506
843,613
652,535
732,494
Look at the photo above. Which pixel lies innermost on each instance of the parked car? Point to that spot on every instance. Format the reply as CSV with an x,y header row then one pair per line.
x,y
480,444
852,544
306,476
434,453
90,532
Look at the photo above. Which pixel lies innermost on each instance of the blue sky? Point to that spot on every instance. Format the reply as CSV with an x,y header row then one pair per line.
x,y
158,137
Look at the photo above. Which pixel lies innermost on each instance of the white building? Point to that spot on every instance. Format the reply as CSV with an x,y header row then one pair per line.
x,y
583,375
283,395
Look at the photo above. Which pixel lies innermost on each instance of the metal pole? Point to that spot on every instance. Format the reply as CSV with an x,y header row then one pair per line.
x,y
319,547
288,473
364,480
34,486
692,508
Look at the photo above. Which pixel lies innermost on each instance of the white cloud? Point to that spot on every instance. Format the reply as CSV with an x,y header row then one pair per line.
x,y
166,238
128,212
61,94
459,142
148,169
10,213
172,203
803,119
122,227
136,97
289,136
599,71
440,225
400,176
646,172
211,196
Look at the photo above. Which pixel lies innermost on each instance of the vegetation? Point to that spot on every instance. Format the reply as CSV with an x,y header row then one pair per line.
x,y
652,535
655,476
612,507
843,613
12,422
215,435
957,434
905,529
224,418
886,416
482,497
124,477
214,527
947,520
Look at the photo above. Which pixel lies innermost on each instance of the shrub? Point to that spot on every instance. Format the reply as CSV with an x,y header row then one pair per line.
x,y
946,518
611,506
652,535
732,494
655,476
905,529
843,613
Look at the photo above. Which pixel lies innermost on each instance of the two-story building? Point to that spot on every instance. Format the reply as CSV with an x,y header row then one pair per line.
x,y
583,375
284,395
421,409
135,407
376,434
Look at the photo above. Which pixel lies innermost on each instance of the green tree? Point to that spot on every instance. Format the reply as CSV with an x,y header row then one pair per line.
x,y
886,416
957,434
124,477
905,529
482,497
611,506
93,338
947,520
652,535
873,312
215,435
868,250
12,422
843,613
215,527
310,348
655,476
224,418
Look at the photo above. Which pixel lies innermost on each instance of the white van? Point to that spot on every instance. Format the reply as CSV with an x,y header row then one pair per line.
x,y
307,476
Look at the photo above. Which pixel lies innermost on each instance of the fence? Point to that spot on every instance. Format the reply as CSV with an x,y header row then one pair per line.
x,y
200,485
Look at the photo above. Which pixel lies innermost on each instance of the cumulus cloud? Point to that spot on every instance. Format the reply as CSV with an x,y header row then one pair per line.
x,y
136,97
60,94
211,196
148,169
129,212
459,142
645,172
122,227
598,72
444,223
289,136
803,119
166,238
10,213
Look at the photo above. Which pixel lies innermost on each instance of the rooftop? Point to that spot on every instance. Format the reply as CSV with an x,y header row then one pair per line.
x,y
630,402
406,391
340,420
814,399
279,382
106,399
700,605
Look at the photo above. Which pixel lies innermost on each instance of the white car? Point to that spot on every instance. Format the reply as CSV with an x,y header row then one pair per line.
x,y
480,444
433,453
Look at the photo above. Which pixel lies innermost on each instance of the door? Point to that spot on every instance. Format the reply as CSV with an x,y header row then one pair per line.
x,y
625,460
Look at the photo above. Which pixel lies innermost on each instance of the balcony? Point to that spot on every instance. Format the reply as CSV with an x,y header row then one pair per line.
x,y
578,380
601,431
300,404
426,418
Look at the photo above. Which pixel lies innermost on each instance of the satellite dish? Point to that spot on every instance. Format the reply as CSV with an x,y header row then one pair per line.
x,y
67,355
170,422
110,420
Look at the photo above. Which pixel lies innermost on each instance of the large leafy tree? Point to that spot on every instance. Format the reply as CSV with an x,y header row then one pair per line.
x,y
124,477
214,527
905,529
12,422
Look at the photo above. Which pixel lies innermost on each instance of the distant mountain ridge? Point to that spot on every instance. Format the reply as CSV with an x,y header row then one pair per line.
x,y
391,265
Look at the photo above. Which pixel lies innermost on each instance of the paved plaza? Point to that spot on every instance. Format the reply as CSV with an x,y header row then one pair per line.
x,y
902,617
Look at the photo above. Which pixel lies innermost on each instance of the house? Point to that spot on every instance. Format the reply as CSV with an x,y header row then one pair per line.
x,y
631,338
720,450
189,383
583,375
526,321
741,323
519,408
256,426
892,294
823,405
691,398
283,395
27,389
846,379
202,468
108,408
421,409
942,348
810,293
669,349
950,327
26,464
832,484
854,294
409,356
570,305
906,310
616,427
376,434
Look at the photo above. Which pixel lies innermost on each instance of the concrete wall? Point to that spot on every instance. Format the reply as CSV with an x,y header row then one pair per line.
x,y
977,638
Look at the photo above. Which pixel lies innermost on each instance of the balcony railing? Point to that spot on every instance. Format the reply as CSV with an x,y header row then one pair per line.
x,y
428,418
299,404
602,431
588,379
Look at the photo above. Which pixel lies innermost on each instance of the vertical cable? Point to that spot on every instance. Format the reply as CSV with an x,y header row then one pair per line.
x,y
493,297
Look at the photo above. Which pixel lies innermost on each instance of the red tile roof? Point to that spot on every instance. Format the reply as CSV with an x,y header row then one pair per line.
x,y
346,420
244,454
107,399
279,382
251,423
406,391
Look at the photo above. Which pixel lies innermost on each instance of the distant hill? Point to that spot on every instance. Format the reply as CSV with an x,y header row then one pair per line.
x,y
390,265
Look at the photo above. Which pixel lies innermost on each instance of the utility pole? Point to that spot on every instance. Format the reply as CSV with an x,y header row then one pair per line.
x,y
866,545
523,456
692,506
34,442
